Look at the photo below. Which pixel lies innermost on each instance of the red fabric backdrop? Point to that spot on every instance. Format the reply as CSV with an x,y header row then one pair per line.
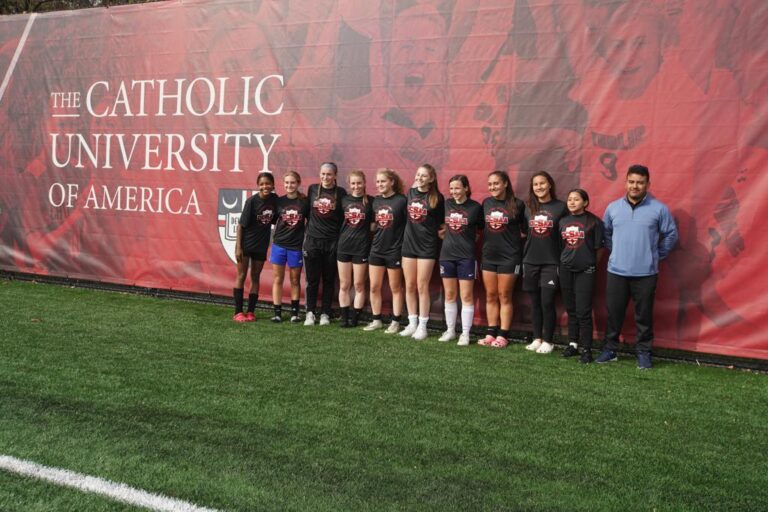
x,y
130,134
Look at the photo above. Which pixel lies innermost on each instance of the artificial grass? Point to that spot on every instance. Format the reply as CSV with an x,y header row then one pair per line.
x,y
175,398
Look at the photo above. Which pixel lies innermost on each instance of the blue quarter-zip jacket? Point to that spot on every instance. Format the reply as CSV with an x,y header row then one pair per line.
x,y
638,238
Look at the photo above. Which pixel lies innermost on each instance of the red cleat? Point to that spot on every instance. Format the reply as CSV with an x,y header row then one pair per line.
x,y
240,317
250,317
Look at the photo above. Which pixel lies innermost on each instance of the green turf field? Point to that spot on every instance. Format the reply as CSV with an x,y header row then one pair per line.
x,y
174,398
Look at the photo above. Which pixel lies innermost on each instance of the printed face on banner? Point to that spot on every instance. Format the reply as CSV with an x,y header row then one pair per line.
x,y
230,206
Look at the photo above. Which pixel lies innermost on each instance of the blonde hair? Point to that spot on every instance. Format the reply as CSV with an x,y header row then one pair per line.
x,y
298,180
397,183
359,174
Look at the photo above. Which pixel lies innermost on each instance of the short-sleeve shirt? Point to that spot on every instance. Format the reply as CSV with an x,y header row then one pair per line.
x,y
420,237
256,219
582,236
389,215
355,237
502,236
325,212
291,220
461,224
542,247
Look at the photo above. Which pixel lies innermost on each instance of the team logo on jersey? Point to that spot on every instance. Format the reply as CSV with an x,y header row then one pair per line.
x,y
497,219
384,216
417,211
230,206
324,206
291,217
456,220
573,235
541,224
265,216
354,215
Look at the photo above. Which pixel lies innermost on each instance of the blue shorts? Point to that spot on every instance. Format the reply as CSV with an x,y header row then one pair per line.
x,y
281,256
466,269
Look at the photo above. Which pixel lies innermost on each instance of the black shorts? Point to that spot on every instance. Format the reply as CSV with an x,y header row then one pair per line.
x,y
391,262
506,268
314,248
420,256
351,258
539,276
257,256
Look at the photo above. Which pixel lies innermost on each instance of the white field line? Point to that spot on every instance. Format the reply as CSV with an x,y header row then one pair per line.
x,y
15,58
92,484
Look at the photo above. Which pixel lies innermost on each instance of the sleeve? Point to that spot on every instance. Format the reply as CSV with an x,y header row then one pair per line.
x,y
247,214
608,228
598,233
521,218
440,210
480,218
667,232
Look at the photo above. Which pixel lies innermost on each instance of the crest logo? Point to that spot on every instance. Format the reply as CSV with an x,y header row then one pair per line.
x,y
417,211
497,219
573,235
354,215
541,224
456,220
291,217
324,206
230,206
384,216
265,216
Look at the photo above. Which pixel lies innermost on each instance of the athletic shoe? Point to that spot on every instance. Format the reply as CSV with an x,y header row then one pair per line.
x,y
500,342
376,324
240,317
409,330
487,341
448,335
606,356
325,319
586,357
394,326
420,334
533,346
545,348
250,317
463,340
570,351
310,319
276,319
295,319
345,324
644,361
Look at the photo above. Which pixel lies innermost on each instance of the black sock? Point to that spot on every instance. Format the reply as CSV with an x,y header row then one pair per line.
x,y
377,317
252,298
356,316
345,314
238,294
504,333
396,318
492,330
278,309
294,308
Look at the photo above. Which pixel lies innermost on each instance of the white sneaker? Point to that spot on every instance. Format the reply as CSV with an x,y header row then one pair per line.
x,y
448,335
420,334
409,330
545,348
310,320
325,319
393,327
463,340
376,324
295,319
533,346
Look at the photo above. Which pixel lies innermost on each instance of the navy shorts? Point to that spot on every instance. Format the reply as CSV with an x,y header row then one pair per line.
x,y
392,262
281,256
506,268
465,269
351,258
539,276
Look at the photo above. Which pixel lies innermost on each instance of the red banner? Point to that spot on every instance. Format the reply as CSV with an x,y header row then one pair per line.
x,y
132,135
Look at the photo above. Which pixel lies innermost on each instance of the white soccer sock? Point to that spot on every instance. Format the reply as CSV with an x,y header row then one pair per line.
x,y
467,314
451,310
413,319
423,322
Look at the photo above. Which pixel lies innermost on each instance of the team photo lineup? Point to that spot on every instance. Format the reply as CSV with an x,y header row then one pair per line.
x,y
406,234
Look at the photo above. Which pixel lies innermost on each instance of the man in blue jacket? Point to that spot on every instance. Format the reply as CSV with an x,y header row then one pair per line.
x,y
639,231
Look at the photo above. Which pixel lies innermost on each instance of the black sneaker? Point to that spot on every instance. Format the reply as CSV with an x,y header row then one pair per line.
x,y
644,361
570,351
607,356
345,323
586,357
276,319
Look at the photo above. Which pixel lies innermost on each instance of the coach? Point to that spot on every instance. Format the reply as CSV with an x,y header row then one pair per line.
x,y
639,232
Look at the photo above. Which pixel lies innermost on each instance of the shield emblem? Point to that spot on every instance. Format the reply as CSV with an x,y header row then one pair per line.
x,y
230,206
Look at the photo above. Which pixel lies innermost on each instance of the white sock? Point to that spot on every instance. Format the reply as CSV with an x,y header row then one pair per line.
x,y
451,310
412,319
423,322
467,314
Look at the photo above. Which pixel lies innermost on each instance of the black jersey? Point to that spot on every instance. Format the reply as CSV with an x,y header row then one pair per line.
x,y
461,224
257,219
502,240
389,215
582,236
291,218
355,237
420,237
325,213
542,247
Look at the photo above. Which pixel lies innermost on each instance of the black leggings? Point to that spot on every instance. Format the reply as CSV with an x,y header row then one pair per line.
x,y
578,289
320,265
543,313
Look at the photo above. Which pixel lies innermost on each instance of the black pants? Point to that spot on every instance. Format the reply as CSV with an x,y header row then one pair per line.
x,y
320,265
543,313
578,289
642,290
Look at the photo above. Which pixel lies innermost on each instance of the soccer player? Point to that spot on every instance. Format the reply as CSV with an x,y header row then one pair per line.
x,y
458,267
426,210
325,218
288,237
639,231
541,257
354,247
253,232
389,215
582,241
504,216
